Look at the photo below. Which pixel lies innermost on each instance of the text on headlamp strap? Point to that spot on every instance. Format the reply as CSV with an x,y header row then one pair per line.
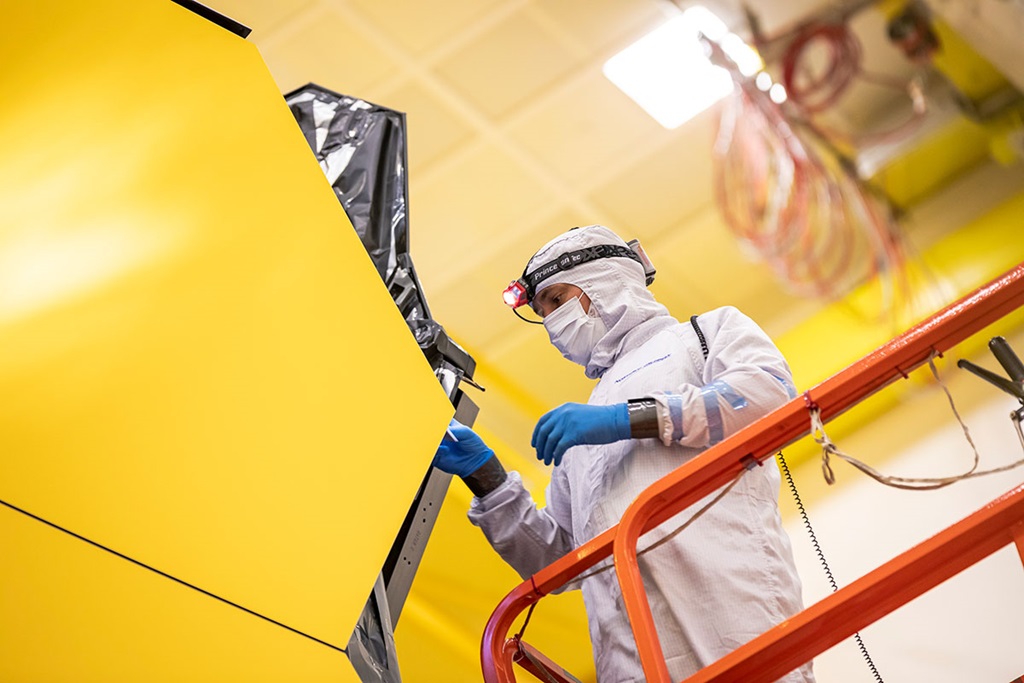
x,y
571,259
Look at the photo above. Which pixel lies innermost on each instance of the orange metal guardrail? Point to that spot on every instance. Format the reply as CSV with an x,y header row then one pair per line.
x,y
868,599
810,632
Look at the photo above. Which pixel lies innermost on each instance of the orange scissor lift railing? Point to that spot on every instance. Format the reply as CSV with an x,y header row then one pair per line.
x,y
838,616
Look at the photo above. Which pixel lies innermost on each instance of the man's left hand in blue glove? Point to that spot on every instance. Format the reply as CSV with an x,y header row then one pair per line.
x,y
573,424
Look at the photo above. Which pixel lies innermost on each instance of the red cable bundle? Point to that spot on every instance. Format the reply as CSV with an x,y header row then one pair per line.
x,y
817,92
814,224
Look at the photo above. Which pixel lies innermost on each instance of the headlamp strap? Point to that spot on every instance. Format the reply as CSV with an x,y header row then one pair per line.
x,y
571,259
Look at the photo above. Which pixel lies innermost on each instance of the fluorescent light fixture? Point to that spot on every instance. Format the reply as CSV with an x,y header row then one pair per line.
x,y
668,73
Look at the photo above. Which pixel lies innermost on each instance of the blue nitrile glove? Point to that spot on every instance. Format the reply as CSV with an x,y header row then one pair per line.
x,y
572,424
462,457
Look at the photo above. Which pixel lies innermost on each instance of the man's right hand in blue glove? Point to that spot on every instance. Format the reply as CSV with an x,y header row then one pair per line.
x,y
462,457
470,458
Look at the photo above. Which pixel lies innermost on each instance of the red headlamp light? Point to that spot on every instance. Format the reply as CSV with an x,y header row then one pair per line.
x,y
515,294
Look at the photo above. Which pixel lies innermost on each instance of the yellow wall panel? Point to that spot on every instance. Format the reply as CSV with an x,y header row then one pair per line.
x,y
201,368
73,612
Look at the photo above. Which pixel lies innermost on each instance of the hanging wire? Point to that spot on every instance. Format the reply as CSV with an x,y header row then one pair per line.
x,y
907,483
814,93
828,449
794,200
817,92
786,182
822,59
821,558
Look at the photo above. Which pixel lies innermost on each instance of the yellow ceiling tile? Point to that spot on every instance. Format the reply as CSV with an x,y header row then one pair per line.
x,y
702,252
456,222
328,51
675,285
666,185
585,129
472,310
702,249
512,62
419,26
433,128
598,24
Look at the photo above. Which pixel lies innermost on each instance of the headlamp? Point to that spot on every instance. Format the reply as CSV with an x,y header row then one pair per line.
x,y
520,292
515,294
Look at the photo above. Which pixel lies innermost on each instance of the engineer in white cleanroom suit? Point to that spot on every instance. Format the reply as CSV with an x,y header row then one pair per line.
x,y
730,575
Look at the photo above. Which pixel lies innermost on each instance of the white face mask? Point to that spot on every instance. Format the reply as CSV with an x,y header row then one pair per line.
x,y
573,332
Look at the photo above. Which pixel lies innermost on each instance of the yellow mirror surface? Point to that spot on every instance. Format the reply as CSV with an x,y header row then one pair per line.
x,y
73,612
199,366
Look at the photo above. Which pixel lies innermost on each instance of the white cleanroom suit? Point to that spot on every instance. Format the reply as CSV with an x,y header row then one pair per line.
x,y
728,577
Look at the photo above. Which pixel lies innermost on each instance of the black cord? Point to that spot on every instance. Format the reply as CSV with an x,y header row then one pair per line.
x,y
526,653
529,614
700,336
821,558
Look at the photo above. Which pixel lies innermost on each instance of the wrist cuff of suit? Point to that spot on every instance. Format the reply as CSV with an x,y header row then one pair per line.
x,y
486,478
643,418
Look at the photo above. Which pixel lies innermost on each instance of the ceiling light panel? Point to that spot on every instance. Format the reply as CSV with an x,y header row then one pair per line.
x,y
667,72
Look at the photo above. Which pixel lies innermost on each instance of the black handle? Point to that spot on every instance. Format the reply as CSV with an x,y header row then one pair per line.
x,y
1007,358
1012,388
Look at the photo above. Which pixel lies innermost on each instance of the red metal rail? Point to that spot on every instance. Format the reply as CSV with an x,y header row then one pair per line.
x,y
721,463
